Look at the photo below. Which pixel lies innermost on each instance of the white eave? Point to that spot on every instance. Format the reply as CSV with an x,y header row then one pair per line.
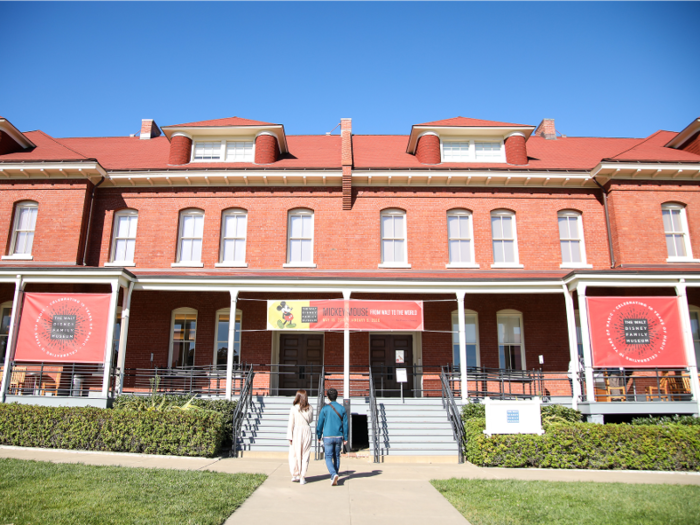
x,y
15,134
688,133
197,132
52,170
606,171
219,177
465,131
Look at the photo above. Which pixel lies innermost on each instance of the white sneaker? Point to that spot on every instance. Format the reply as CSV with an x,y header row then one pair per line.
x,y
334,481
302,481
294,478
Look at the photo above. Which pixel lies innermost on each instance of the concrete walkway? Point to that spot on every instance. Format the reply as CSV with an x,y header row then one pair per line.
x,y
367,493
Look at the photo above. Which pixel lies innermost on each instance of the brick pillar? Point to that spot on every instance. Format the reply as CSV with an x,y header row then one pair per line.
x,y
516,151
180,150
266,149
546,129
428,149
346,160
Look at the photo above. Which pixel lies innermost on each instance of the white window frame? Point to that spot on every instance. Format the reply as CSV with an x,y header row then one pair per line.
x,y
232,264
223,149
394,212
184,311
299,212
516,254
692,309
471,154
15,225
455,334
518,315
452,264
7,305
236,344
180,224
582,243
685,232
115,229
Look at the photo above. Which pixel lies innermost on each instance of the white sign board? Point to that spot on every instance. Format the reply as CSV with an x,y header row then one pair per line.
x,y
513,416
401,375
399,357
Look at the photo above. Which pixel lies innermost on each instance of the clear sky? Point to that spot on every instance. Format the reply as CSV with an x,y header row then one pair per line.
x,y
597,68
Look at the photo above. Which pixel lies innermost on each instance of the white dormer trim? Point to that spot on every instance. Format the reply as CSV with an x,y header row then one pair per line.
x,y
15,134
181,134
471,154
515,134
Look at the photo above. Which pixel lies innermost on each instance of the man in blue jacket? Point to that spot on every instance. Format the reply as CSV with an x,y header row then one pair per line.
x,y
333,428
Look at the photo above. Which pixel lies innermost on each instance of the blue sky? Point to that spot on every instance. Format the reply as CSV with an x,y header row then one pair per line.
x,y
597,68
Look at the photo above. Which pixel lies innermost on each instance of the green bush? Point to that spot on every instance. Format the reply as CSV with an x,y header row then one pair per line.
x,y
170,432
587,446
666,420
550,413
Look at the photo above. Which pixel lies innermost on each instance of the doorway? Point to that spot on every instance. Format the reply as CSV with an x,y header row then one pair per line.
x,y
300,363
387,353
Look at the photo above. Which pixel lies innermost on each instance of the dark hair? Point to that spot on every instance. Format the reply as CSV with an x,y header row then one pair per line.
x,y
302,400
332,394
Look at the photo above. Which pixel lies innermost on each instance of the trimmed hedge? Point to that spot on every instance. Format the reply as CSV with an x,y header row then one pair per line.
x,y
170,432
667,420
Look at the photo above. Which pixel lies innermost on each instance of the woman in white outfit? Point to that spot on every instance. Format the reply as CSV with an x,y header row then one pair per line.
x,y
299,435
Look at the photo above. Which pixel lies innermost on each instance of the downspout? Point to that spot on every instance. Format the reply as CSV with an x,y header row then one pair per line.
x,y
87,231
607,223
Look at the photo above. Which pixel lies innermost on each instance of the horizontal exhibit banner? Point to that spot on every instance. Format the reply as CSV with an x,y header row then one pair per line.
x,y
636,332
337,314
69,328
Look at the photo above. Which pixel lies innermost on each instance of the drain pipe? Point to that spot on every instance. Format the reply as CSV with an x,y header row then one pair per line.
x,y
607,223
87,231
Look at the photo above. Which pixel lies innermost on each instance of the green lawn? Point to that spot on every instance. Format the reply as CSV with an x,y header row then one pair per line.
x,y
39,493
508,502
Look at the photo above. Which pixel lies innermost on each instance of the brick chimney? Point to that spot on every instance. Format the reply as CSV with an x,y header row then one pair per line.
x,y
546,129
149,129
346,160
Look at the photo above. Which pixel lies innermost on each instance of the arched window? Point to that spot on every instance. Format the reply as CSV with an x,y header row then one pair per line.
x,y
23,229
182,338
511,344
393,231
471,332
223,318
124,237
573,249
676,232
190,234
460,239
504,238
233,238
300,238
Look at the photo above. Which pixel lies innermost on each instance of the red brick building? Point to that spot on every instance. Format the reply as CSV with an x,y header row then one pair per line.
x,y
497,229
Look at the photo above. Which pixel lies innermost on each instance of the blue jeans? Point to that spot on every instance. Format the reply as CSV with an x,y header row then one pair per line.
x,y
331,450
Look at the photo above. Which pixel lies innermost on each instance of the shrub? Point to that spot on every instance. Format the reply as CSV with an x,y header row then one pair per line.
x,y
181,433
550,413
666,420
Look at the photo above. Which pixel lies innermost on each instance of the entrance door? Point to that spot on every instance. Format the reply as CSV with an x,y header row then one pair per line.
x,y
387,353
301,359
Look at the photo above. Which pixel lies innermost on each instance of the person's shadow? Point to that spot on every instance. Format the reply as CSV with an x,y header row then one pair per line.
x,y
345,475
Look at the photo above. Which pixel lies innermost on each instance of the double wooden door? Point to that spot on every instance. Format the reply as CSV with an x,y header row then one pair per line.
x,y
387,353
301,361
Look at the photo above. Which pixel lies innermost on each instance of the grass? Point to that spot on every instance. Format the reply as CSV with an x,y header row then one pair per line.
x,y
509,502
40,493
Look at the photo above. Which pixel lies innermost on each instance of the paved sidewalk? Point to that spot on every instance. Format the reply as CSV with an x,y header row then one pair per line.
x,y
367,493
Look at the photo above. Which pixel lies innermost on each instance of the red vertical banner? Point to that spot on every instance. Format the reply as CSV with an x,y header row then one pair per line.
x,y
636,332
63,328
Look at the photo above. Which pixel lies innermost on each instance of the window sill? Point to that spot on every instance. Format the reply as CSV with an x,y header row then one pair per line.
x,y
394,265
17,258
117,264
574,266
674,260
231,265
507,265
462,265
298,265
187,265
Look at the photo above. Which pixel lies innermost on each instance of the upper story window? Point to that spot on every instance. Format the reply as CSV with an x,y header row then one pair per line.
x,y
124,237
190,234
23,229
504,238
473,151
511,345
223,151
183,337
573,250
233,237
676,231
300,245
471,336
393,231
460,234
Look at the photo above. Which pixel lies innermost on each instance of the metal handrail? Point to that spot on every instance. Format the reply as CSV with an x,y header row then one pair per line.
x,y
374,415
319,406
244,403
453,415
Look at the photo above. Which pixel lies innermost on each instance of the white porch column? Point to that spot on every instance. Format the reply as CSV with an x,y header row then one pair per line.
x,y
231,334
573,347
462,345
123,334
586,342
346,349
11,337
110,338
688,341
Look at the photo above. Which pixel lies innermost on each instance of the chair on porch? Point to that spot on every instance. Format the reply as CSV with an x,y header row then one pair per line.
x,y
660,392
615,387
19,374
679,388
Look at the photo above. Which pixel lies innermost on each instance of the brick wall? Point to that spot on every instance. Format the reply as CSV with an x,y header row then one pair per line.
x,y
266,149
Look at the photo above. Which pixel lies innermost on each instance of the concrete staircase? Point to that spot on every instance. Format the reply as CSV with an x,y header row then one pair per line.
x,y
265,427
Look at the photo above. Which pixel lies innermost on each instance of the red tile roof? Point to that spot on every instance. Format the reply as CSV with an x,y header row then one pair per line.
x,y
221,122
471,123
652,149
47,149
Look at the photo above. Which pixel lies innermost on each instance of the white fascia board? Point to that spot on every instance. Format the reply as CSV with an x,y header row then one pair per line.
x,y
240,177
685,135
621,281
15,134
51,169
692,169
515,179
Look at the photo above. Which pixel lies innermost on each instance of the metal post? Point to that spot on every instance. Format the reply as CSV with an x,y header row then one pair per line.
x,y
586,342
12,337
462,345
124,333
688,341
573,347
110,338
231,333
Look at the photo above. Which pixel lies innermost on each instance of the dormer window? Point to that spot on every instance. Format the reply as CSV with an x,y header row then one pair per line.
x,y
223,151
472,151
